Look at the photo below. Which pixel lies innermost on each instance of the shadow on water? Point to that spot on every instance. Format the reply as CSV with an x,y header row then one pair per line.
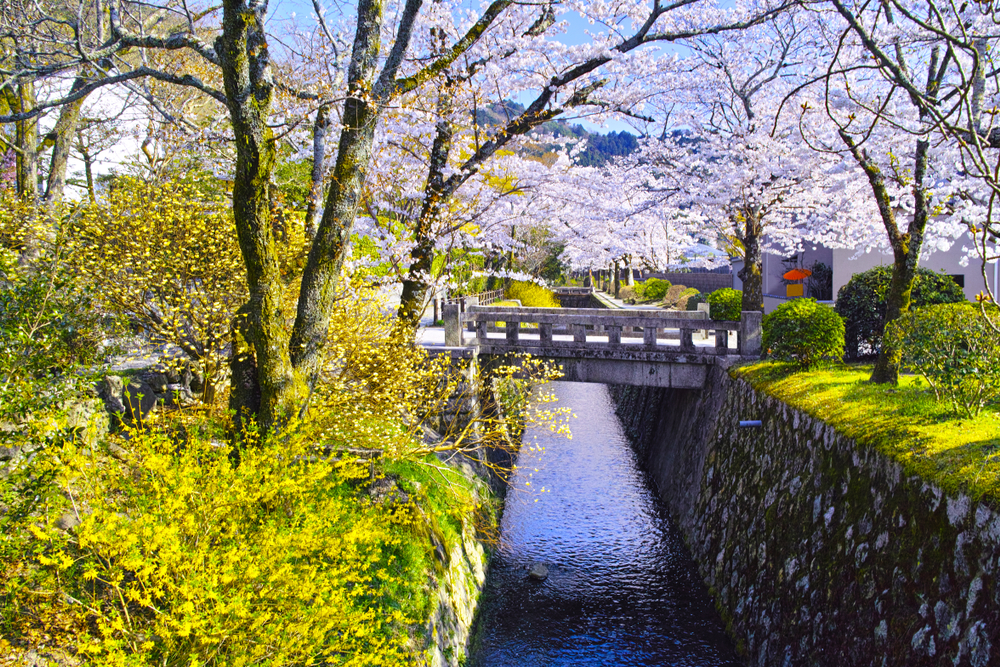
x,y
621,588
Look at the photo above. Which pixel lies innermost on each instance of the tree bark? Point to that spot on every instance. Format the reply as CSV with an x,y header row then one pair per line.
x,y
88,166
752,273
422,256
313,209
63,135
27,143
905,247
245,62
329,247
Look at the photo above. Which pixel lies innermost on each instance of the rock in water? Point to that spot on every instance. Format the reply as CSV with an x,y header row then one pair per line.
x,y
538,572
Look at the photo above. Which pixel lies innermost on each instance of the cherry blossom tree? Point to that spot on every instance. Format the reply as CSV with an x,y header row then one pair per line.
x,y
740,174
893,78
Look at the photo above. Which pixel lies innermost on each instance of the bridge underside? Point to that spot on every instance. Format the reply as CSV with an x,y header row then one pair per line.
x,y
637,373
633,367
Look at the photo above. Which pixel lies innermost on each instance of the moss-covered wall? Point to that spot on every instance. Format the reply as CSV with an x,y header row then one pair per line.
x,y
458,587
818,551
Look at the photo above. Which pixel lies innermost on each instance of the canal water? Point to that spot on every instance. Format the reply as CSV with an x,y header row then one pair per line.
x,y
621,589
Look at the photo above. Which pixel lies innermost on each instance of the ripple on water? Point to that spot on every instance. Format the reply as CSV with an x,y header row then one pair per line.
x,y
621,589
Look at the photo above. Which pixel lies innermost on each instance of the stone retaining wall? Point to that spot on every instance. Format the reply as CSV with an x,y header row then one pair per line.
x,y
818,551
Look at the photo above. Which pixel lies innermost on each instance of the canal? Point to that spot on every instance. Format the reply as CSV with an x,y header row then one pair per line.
x,y
621,589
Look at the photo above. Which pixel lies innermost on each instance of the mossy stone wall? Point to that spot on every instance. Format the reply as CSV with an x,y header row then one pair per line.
x,y
818,551
458,585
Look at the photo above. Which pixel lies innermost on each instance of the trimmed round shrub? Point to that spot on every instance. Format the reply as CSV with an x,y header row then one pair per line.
x,y
955,350
861,302
725,304
804,332
627,294
532,295
655,289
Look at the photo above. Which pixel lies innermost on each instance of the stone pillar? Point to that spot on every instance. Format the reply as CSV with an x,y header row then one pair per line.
x,y
704,308
452,324
750,333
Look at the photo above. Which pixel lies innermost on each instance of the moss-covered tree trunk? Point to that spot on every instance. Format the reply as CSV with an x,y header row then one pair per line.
x,y
263,324
329,247
905,247
752,273
26,168
314,208
285,365
61,138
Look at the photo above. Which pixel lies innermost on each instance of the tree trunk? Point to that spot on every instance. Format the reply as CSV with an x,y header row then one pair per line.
x,y
330,245
63,133
422,256
27,144
906,255
618,281
313,209
88,167
905,248
629,272
249,88
752,273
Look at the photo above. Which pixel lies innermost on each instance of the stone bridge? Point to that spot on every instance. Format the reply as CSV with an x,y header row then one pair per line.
x,y
655,348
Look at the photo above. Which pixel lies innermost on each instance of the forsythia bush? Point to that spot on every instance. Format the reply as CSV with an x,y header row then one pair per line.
x,y
166,256
182,557
532,295
804,332
955,350
169,548
48,325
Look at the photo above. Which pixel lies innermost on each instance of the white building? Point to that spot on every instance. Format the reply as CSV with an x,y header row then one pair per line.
x,y
845,263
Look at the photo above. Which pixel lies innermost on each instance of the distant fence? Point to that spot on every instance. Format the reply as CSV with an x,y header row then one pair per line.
x,y
466,300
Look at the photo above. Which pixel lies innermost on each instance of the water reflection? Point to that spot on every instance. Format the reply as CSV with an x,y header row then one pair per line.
x,y
621,589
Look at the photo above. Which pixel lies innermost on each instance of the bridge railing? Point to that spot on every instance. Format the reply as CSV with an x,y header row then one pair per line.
x,y
591,328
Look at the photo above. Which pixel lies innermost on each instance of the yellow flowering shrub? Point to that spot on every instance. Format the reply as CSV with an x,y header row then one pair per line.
x,y
166,256
183,557
165,546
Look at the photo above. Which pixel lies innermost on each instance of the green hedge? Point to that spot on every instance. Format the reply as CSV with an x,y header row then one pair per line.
x,y
861,302
804,332
655,289
725,304
956,351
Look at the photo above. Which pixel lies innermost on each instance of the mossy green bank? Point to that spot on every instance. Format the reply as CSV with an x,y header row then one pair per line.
x,y
903,422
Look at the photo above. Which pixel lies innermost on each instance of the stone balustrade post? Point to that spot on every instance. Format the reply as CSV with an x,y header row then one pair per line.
x,y
451,314
750,333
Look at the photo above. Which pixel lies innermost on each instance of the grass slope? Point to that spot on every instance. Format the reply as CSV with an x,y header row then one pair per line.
x,y
903,422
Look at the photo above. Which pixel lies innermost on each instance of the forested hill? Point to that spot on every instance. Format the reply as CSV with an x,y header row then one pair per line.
x,y
600,148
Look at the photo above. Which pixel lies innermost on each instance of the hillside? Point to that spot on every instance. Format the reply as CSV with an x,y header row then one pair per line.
x,y
600,148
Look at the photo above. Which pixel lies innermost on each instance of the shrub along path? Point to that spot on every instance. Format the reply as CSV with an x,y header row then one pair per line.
x,y
903,422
